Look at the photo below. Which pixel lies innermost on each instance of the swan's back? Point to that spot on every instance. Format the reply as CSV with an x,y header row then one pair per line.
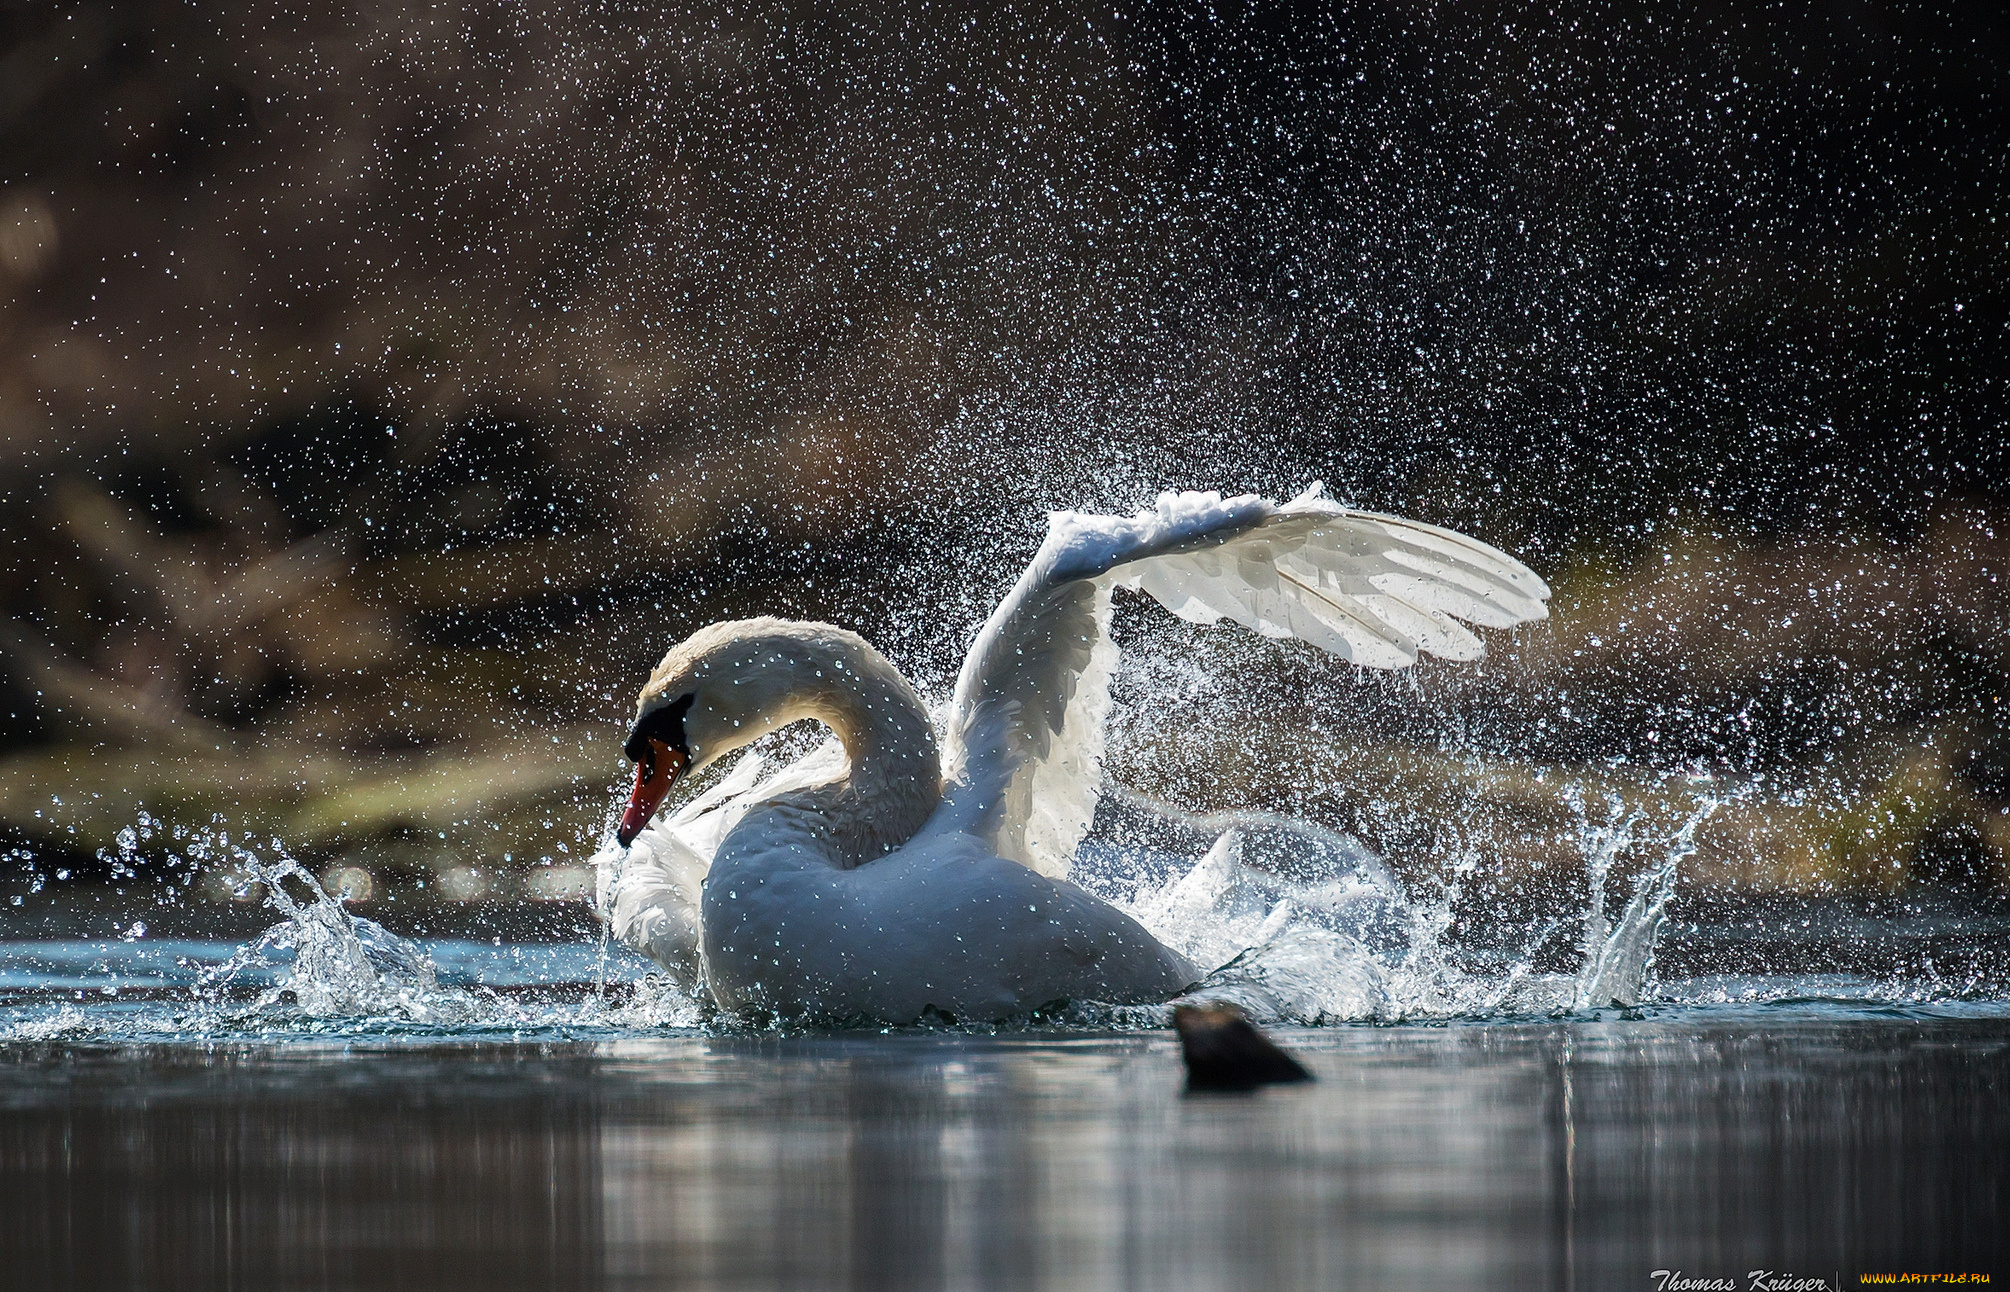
x,y
942,925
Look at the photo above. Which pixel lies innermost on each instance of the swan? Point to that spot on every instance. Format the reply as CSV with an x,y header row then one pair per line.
x,y
900,872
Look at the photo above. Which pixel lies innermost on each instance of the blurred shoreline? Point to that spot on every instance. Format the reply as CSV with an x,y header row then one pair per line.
x,y
382,390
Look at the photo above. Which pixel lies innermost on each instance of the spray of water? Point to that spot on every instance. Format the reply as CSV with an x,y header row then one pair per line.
x,y
1619,953
1331,936
329,962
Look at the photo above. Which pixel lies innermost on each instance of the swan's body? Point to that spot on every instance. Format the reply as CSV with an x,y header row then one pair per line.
x,y
883,878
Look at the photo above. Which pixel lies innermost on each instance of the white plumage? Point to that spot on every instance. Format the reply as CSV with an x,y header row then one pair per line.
x,y
873,879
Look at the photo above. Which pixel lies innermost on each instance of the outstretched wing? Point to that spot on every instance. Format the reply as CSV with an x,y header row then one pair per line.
x,y
1024,749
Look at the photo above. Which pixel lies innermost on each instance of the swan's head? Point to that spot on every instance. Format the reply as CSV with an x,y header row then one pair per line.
x,y
725,686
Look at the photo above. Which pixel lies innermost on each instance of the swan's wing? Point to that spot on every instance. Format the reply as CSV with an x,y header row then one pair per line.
x,y
1024,745
651,892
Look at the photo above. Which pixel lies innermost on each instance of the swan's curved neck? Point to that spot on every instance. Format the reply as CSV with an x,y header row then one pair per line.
x,y
894,778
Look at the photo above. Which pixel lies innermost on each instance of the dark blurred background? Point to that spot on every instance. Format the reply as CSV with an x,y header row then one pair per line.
x,y
383,387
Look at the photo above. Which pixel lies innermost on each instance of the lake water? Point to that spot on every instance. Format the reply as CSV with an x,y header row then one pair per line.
x,y
154,1133
1803,1088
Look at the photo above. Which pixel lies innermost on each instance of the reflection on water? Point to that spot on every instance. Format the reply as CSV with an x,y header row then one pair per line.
x,y
1507,1154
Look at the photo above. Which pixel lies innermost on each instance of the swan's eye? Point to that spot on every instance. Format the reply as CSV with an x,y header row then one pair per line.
x,y
665,726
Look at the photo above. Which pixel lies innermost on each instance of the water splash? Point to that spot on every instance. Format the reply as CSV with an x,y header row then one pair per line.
x,y
1619,954
329,962
1316,929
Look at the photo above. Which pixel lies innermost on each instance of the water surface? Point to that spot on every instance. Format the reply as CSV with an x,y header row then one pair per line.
x,y
1586,1153
1647,1083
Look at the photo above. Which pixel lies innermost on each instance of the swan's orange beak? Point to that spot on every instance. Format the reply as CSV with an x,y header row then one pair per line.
x,y
655,773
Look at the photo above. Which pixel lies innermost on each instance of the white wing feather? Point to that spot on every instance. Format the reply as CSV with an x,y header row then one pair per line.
x,y
1024,748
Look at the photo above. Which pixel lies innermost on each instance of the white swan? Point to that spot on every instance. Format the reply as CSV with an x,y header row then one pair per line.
x,y
883,877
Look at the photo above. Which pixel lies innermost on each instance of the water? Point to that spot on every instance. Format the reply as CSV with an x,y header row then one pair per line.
x,y
1545,1097
1585,1153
